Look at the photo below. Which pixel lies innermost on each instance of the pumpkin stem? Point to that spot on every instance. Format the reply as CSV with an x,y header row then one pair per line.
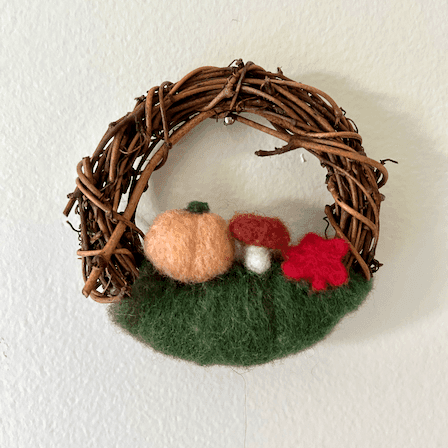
x,y
198,207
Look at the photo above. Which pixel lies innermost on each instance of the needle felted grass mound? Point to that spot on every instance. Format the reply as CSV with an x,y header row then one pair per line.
x,y
240,318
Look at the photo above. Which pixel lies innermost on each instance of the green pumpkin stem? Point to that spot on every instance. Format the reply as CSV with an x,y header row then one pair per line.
x,y
198,207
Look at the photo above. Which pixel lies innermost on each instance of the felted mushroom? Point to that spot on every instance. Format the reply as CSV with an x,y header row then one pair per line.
x,y
256,238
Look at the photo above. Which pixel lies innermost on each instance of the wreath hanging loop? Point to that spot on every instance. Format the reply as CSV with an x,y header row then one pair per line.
x,y
139,143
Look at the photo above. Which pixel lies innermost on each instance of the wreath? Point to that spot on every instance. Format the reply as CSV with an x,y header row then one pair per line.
x,y
232,313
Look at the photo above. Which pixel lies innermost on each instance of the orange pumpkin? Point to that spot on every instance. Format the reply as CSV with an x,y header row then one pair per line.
x,y
190,245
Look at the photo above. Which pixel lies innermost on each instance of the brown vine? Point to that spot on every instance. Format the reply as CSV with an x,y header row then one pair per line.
x,y
139,143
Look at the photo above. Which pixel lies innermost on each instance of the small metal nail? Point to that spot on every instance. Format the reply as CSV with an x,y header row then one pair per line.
x,y
228,121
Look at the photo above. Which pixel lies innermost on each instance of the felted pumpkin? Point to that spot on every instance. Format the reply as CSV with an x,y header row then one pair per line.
x,y
190,245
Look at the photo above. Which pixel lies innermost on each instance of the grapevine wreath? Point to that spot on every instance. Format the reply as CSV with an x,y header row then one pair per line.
x,y
215,292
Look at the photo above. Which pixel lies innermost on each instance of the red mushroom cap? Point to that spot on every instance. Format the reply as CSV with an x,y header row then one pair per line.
x,y
257,230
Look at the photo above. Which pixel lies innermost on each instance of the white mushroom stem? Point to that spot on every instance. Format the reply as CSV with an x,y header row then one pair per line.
x,y
257,259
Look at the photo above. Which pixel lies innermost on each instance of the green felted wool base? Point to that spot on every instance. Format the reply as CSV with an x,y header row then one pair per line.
x,y
239,319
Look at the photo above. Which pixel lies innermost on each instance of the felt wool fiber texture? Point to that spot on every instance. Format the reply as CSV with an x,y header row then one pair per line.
x,y
240,318
259,230
190,246
257,259
317,260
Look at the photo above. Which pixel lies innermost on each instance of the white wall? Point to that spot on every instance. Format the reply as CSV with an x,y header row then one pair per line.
x,y
68,378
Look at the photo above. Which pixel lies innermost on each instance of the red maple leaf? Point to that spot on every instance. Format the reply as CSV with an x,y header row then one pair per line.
x,y
317,260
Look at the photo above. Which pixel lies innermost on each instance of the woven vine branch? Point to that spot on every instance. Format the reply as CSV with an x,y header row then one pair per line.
x,y
139,143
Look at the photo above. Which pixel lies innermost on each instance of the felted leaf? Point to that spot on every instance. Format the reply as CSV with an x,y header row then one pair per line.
x,y
317,260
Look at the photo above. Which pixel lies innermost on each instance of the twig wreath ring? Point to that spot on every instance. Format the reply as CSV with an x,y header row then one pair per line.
x,y
214,292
